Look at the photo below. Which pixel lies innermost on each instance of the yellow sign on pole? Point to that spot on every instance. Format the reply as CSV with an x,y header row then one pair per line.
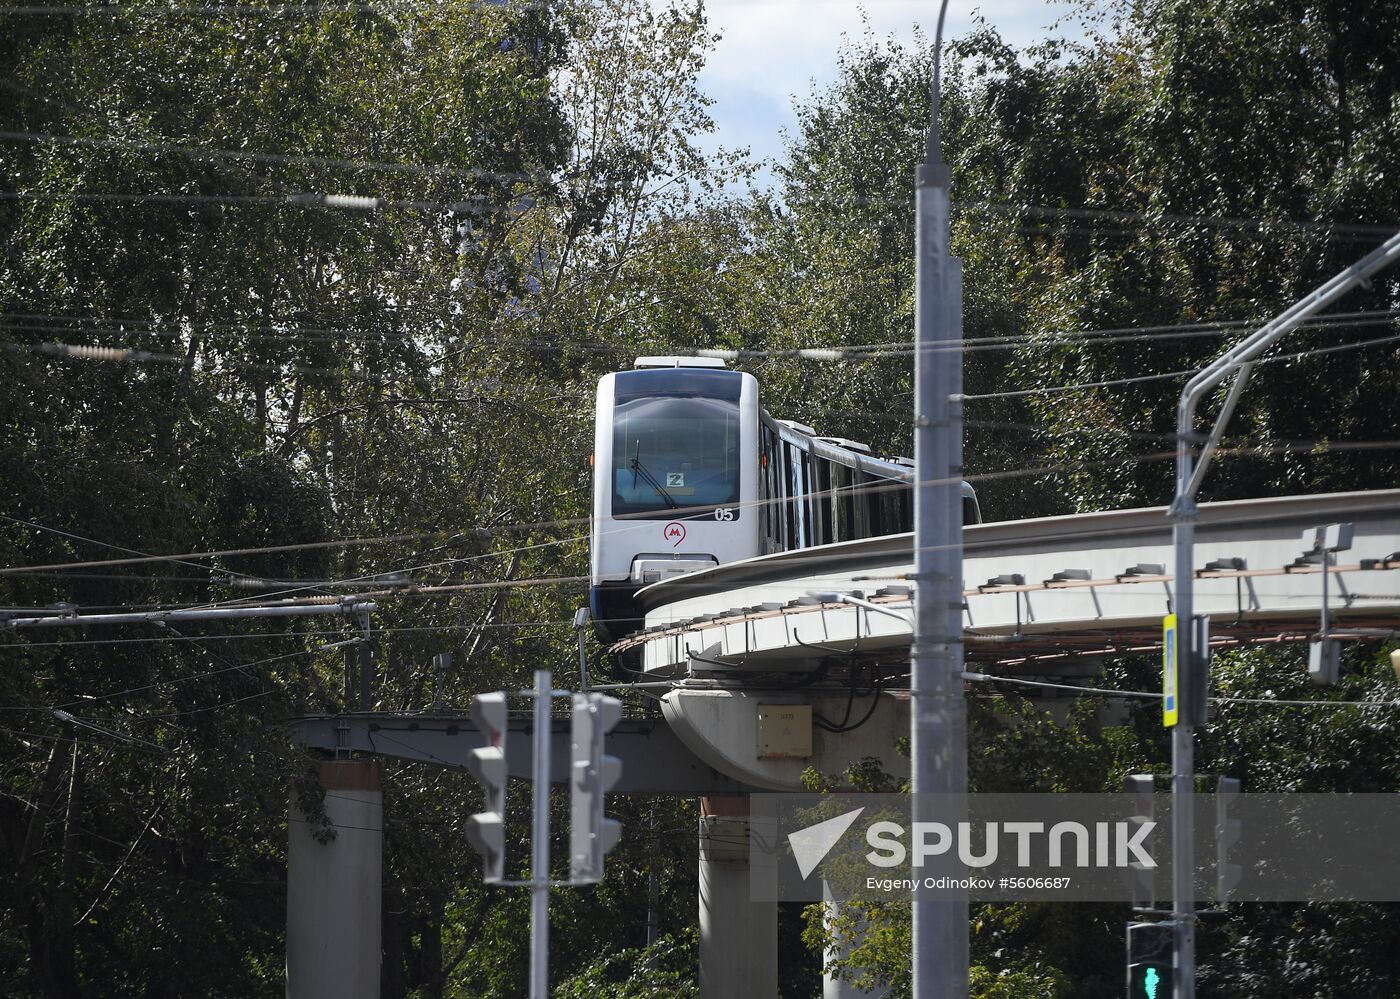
x,y
1171,686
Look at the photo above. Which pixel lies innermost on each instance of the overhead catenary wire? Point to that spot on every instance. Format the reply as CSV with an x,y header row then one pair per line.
x,y
283,636
972,677
274,10
101,544
290,159
128,355
1168,375
1301,448
292,331
1012,208
305,199
376,202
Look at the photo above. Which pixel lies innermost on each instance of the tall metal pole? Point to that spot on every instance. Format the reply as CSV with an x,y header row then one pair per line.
x,y
939,716
539,843
1191,662
1184,733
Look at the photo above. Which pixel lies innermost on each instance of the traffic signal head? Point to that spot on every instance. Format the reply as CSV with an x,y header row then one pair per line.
x,y
1151,947
1141,879
486,830
592,772
488,714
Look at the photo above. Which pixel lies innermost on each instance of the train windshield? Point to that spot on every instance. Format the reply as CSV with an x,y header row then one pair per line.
x,y
673,452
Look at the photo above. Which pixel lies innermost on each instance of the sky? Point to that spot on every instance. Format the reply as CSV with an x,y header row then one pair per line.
x,y
775,51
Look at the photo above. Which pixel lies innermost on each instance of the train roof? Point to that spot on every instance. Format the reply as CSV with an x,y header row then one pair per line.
x,y
677,361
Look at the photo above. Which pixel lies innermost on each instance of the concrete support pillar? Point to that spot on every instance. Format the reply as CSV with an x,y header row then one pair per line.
x,y
738,937
334,889
841,988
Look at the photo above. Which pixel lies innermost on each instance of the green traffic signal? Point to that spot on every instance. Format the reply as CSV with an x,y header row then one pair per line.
x,y
1150,981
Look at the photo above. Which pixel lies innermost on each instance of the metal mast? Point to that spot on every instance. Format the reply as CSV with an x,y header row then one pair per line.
x,y
939,714
1192,661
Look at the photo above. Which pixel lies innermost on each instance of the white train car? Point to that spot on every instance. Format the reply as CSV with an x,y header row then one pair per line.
x,y
689,472
675,478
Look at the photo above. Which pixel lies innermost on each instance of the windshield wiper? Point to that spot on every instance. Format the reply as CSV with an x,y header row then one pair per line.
x,y
639,469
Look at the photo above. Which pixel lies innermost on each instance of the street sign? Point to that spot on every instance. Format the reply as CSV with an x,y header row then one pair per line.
x,y
1171,676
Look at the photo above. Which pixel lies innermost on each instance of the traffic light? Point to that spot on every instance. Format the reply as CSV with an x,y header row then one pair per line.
x,y
1140,877
592,772
1150,950
1227,834
486,831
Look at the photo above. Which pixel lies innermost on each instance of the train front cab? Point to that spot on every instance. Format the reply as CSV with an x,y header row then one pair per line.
x,y
675,477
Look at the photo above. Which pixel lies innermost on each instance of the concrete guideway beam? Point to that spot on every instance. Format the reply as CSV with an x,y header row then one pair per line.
x,y
654,759
723,727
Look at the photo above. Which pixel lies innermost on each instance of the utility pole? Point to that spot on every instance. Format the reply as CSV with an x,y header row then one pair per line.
x,y
939,716
539,845
1191,657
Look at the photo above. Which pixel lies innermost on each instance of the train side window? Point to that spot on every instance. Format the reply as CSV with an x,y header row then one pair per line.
x,y
820,478
860,519
889,494
843,522
792,472
873,494
770,507
808,501
801,532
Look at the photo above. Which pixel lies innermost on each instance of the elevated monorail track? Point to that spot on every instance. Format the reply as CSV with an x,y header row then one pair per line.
x,y
1040,592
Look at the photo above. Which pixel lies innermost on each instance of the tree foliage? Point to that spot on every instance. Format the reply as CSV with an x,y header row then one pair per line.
x,y
407,389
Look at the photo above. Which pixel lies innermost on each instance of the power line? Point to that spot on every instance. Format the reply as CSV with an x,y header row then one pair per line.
x,y
273,10
121,355
1301,447
133,356
290,331
1173,218
968,345
351,202
1167,375
292,159
164,614
570,580
175,681
144,556
1011,208
1152,695
274,636
374,203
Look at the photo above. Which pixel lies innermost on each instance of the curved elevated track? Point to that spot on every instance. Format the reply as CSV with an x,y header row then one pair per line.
x,y
1040,593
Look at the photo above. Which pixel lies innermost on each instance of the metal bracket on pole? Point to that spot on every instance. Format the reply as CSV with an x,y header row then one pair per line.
x,y
1324,654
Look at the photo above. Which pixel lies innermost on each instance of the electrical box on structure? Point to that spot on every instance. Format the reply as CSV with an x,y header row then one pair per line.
x,y
784,731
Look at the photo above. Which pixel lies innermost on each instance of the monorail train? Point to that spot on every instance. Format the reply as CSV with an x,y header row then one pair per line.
x,y
690,472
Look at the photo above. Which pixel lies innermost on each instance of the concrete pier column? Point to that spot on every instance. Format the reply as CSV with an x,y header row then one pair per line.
x,y
840,988
738,937
334,889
